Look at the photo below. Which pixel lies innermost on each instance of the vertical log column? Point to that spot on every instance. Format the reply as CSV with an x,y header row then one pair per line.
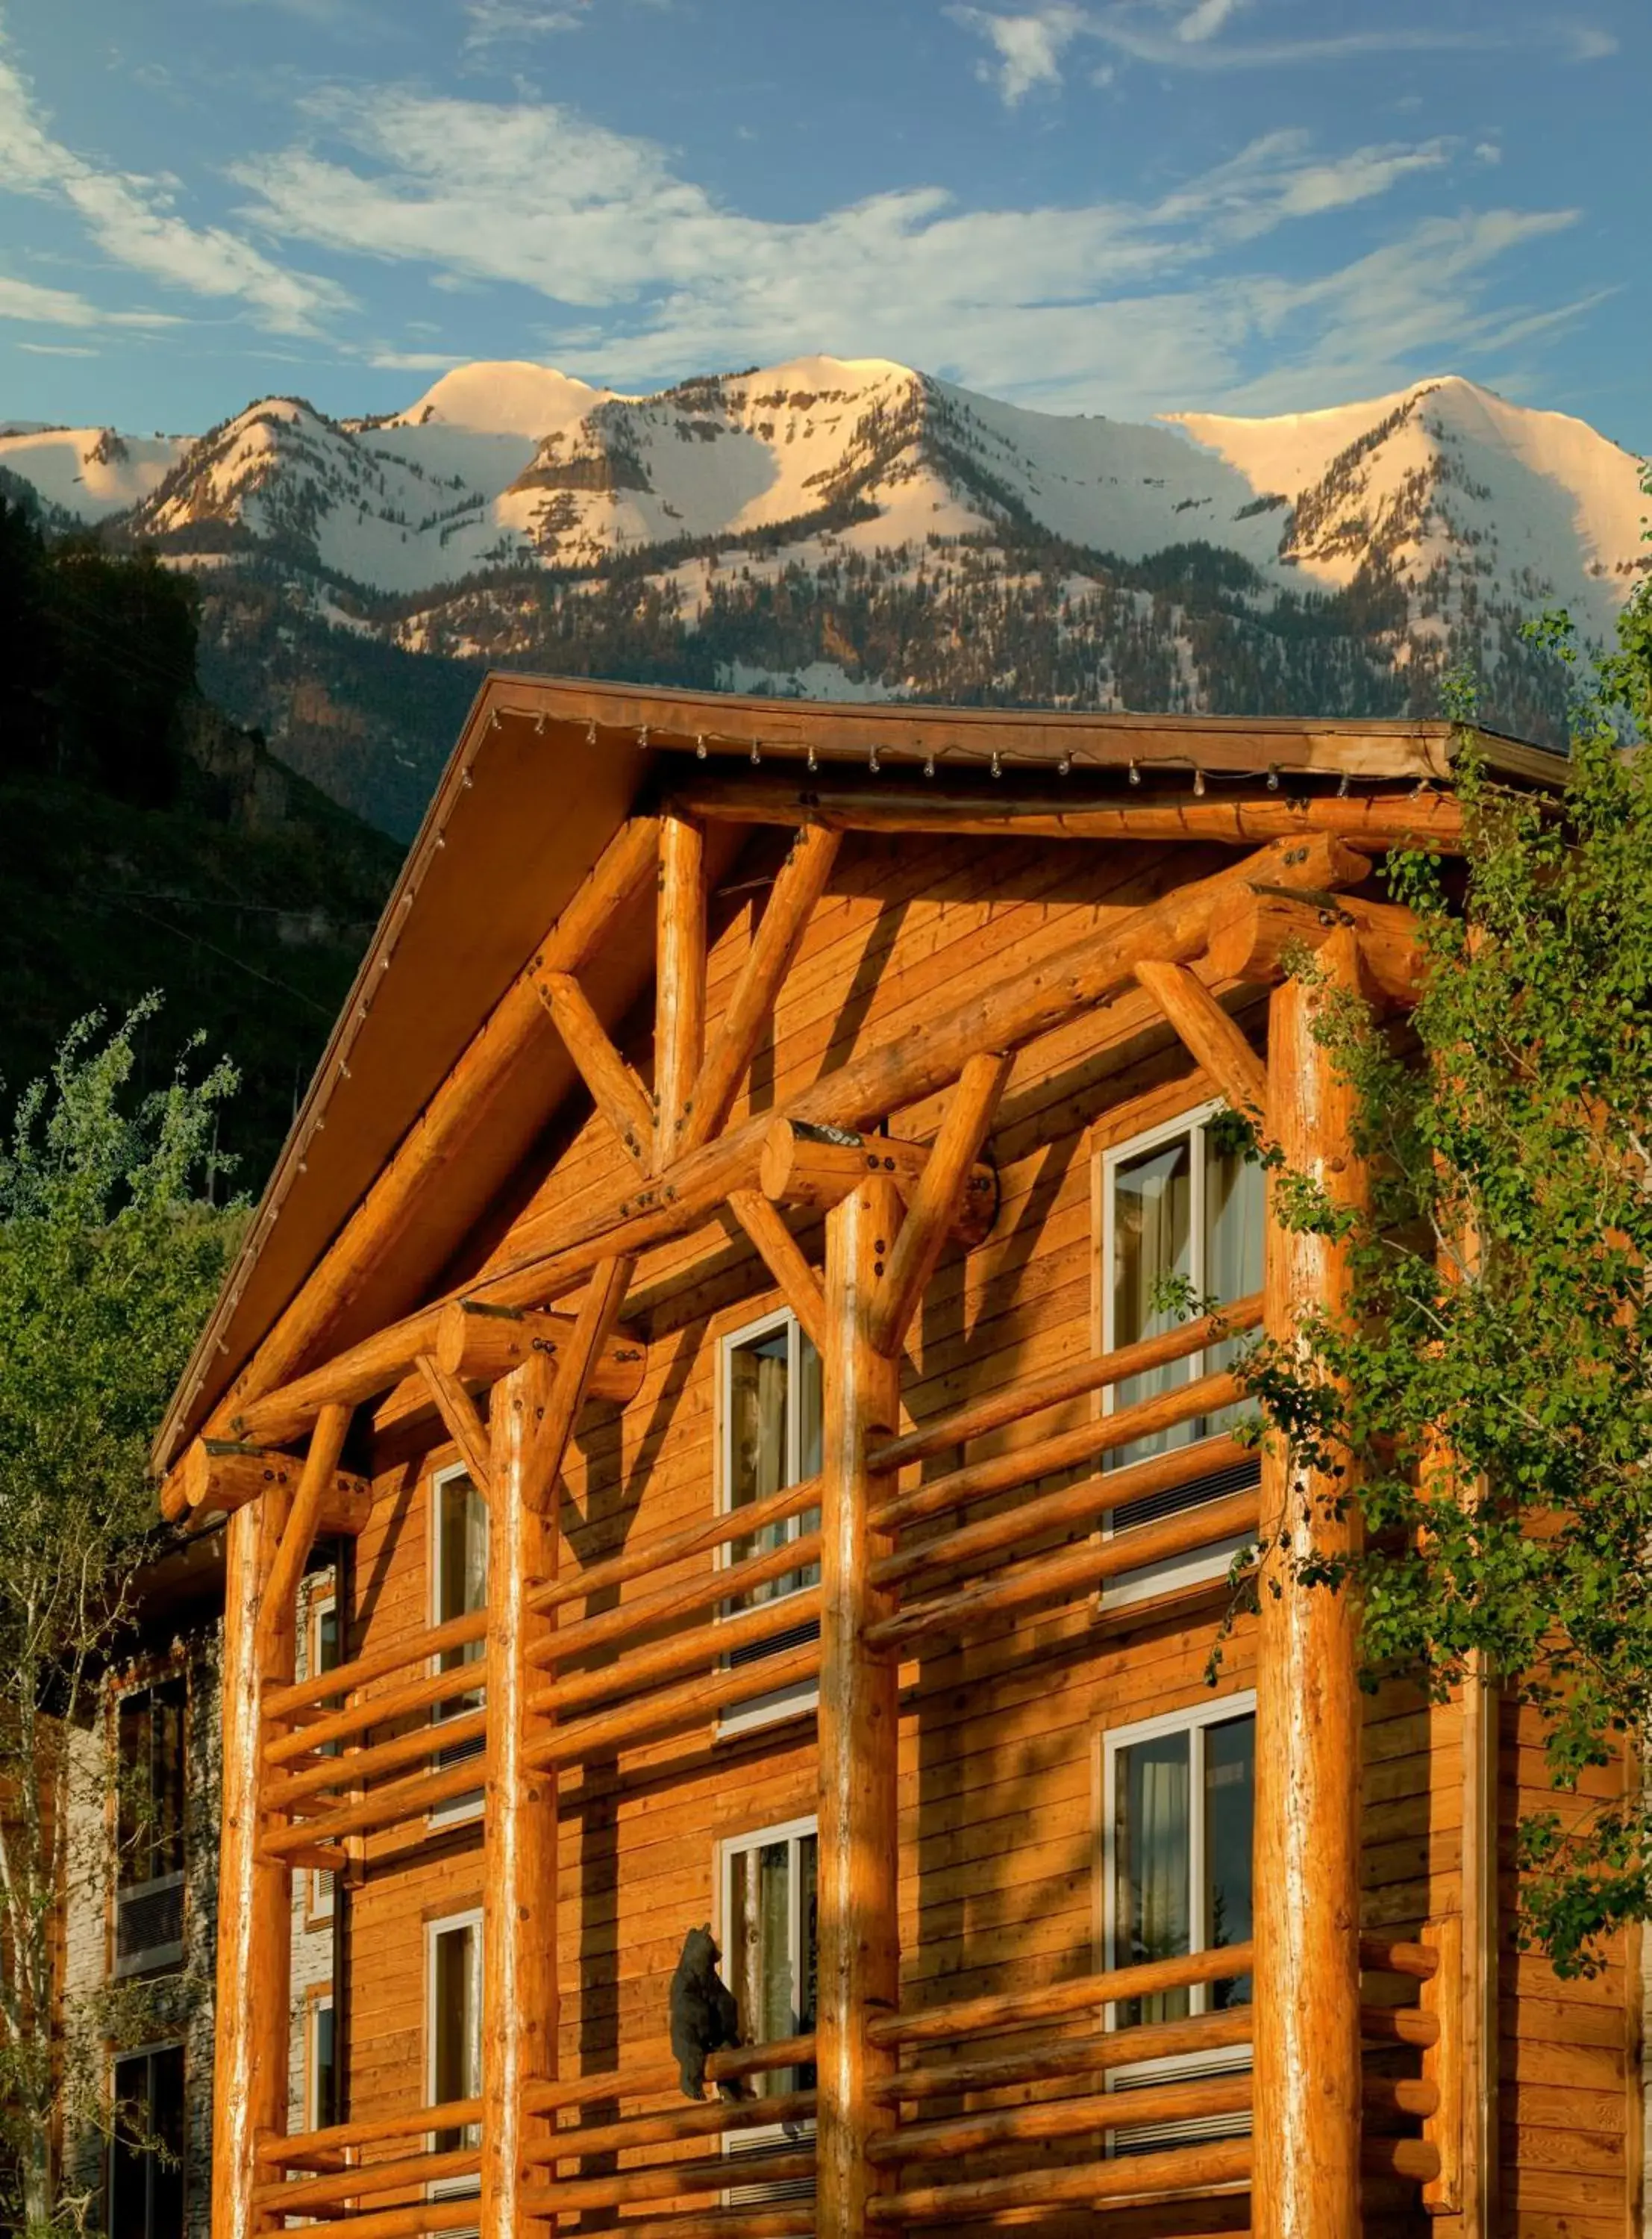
x,y
519,2008
254,1897
859,1958
1306,2183
679,984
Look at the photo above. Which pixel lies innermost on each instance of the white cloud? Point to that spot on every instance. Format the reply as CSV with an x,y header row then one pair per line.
x,y
492,22
1206,20
393,361
1028,49
133,221
1117,305
60,307
58,349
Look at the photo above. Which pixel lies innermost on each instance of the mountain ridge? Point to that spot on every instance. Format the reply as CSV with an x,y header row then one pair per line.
x,y
856,526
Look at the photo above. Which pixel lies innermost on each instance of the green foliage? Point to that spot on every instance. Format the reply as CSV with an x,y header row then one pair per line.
x,y
111,1250
1495,1381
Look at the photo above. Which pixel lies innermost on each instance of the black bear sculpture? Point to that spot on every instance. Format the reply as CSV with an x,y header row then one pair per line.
x,y
703,2015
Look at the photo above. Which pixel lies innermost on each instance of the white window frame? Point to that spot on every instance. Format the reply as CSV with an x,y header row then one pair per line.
x,y
462,1809
451,2188
1205,1565
318,1880
801,1698
1228,2060
729,1847
317,2000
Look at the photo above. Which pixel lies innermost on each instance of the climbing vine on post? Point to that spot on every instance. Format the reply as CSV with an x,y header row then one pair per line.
x,y
1494,1385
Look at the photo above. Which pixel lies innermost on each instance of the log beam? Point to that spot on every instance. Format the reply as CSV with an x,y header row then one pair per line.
x,y
278,1610
447,1126
797,889
817,1166
949,1177
480,1344
1259,927
546,1257
783,1256
535,1413
680,988
616,1090
1307,1864
1208,1034
859,1952
458,1411
1389,816
215,1477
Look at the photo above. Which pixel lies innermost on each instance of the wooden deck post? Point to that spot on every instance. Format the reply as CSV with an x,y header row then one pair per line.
x,y
519,2005
859,1958
1306,2183
679,986
255,1895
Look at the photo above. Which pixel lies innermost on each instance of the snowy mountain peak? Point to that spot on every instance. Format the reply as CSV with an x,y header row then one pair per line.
x,y
505,396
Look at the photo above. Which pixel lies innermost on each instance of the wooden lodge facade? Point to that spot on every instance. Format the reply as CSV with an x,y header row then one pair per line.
x,y
712,1283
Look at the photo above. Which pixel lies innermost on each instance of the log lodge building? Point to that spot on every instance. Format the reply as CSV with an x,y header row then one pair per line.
x,y
711,1300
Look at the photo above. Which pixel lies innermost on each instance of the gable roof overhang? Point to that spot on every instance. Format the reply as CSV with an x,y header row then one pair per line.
x,y
545,771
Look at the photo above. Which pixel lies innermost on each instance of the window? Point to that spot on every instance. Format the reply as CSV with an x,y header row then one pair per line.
x,y
146,2147
769,1406
1176,1201
459,1588
767,1914
453,2030
149,1886
321,2069
322,1654
1178,1796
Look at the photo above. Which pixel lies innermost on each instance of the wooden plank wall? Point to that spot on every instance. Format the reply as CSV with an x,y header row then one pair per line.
x,y
999,1744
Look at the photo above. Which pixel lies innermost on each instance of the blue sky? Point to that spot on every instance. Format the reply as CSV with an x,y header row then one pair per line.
x,y
1118,206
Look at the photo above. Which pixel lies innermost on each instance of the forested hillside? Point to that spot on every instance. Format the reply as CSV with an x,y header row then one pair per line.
x,y
146,842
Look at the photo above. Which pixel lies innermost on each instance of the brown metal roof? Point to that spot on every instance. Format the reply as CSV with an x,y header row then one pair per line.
x,y
544,772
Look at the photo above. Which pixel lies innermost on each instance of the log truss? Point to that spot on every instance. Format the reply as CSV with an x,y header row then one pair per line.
x,y
506,1367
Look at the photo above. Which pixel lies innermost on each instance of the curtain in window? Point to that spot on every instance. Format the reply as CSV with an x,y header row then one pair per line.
x,y
1233,1217
1153,1239
1230,1798
455,2022
757,1381
1151,1891
760,1944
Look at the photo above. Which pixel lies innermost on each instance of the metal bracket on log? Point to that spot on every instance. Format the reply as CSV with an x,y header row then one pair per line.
x,y
217,1476
807,1164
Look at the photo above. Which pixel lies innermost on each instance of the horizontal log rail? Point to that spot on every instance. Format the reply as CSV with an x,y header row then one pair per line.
x,y
431,1689
795,2222
1058,2057
1221,2163
550,1256
710,2173
303,2195
1064,1449
1033,1394
694,1594
297,2151
670,1709
1018,2009
677,2125
729,2067
456,2215
716,1531
1080,1505
1396,1954
991,2129
345,1679
667,1659
1071,1572
364,1765
387,1807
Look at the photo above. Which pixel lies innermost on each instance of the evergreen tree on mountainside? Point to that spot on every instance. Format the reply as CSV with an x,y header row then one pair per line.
x,y
99,664
145,841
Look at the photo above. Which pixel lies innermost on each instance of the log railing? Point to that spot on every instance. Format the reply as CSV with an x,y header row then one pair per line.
x,y
1057,2036
315,1799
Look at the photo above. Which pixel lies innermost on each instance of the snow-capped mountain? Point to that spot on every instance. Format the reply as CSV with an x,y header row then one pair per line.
x,y
854,526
